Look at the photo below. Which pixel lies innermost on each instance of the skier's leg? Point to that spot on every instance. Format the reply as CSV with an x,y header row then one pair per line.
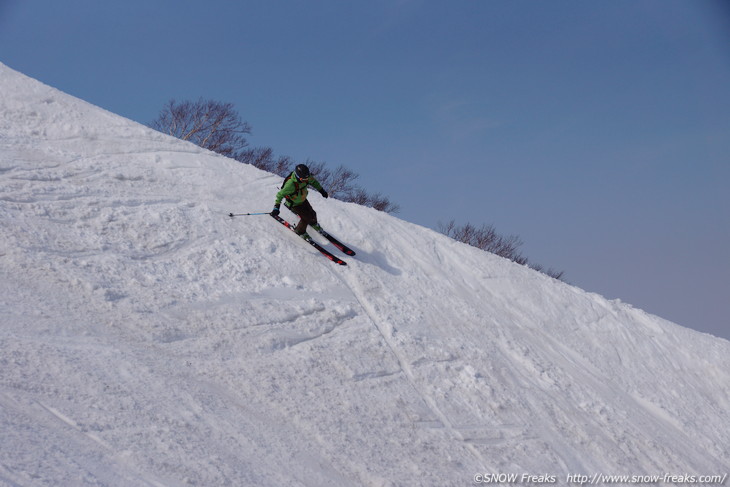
x,y
307,216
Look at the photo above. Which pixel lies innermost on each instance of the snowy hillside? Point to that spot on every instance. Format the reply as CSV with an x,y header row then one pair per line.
x,y
148,339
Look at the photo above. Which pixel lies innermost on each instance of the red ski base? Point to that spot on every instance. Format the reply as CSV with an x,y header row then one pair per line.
x,y
311,242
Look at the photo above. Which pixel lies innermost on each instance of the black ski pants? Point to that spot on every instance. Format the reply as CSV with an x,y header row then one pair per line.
x,y
307,214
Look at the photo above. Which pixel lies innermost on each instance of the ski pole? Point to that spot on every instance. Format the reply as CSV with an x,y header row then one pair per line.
x,y
247,214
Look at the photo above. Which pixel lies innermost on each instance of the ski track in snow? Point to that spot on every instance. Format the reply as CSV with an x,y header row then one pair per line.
x,y
386,331
149,339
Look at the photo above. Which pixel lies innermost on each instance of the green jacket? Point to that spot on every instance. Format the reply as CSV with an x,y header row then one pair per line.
x,y
295,191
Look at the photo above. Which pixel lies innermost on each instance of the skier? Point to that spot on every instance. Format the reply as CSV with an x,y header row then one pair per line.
x,y
294,190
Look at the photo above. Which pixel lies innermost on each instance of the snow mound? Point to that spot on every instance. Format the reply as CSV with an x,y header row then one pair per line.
x,y
149,339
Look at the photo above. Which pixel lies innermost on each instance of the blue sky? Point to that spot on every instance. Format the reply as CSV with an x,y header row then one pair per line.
x,y
598,132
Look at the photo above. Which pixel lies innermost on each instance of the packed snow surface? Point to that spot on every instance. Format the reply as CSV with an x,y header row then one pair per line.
x,y
149,339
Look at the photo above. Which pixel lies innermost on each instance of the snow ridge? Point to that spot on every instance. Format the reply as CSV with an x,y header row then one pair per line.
x,y
149,339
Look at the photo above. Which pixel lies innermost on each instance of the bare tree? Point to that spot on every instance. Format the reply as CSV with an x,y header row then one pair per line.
x,y
210,124
218,127
379,202
340,183
550,272
263,158
486,238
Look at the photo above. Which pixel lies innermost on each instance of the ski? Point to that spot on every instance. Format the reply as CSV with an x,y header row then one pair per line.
x,y
344,248
311,242
246,214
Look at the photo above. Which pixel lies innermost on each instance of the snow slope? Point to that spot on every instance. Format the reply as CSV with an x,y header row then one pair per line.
x,y
148,339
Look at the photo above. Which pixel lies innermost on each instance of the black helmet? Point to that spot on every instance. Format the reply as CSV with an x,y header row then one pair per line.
x,y
301,171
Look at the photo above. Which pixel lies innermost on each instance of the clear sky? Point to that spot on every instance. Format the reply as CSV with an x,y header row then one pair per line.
x,y
598,132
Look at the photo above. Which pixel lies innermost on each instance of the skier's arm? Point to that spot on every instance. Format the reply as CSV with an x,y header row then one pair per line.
x,y
286,190
314,183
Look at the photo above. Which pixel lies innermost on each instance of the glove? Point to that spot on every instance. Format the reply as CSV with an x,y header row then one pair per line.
x,y
275,211
324,193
